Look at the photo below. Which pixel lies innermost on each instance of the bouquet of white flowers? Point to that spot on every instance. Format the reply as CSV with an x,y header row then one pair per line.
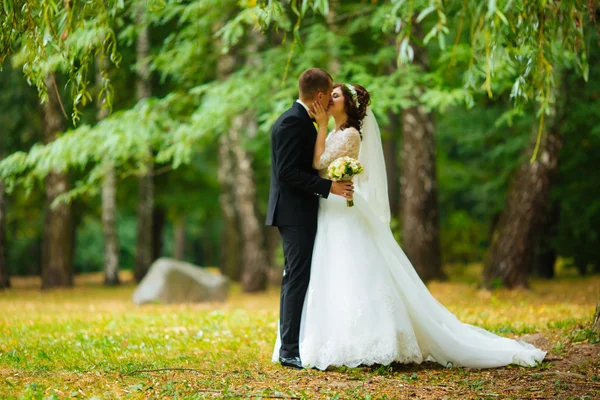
x,y
344,169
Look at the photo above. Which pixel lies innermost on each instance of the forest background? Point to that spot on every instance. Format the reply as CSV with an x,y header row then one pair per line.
x,y
153,135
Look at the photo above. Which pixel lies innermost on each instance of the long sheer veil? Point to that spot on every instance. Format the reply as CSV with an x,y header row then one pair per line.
x,y
372,183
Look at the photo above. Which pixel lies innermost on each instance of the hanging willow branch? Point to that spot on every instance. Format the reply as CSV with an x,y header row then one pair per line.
x,y
515,34
44,36
63,34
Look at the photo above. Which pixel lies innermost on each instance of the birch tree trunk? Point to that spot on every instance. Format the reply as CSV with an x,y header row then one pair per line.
x,y
333,66
418,185
256,266
57,251
254,273
109,198
230,252
4,275
109,224
143,257
231,256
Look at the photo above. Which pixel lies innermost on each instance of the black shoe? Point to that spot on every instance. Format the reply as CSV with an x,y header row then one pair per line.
x,y
291,362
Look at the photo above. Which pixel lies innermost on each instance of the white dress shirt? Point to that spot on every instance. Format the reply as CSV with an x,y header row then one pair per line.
x,y
305,107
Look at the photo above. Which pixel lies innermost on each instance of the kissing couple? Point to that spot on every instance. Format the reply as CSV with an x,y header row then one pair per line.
x,y
349,294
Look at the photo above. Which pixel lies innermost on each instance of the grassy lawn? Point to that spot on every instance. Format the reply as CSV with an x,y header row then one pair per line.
x,y
92,342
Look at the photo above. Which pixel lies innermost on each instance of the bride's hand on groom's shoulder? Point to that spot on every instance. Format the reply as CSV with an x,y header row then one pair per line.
x,y
319,114
344,189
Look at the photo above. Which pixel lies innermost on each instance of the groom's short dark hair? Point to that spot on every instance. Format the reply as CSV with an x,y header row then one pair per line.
x,y
314,80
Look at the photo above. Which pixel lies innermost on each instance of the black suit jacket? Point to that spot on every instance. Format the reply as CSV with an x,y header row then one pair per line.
x,y
295,185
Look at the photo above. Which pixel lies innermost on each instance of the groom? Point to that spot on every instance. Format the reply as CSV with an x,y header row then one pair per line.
x,y
294,201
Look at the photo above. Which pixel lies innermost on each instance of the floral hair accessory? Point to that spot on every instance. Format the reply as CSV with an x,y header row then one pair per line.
x,y
354,94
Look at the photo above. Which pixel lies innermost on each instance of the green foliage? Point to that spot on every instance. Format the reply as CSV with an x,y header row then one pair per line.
x,y
577,188
526,36
491,56
55,35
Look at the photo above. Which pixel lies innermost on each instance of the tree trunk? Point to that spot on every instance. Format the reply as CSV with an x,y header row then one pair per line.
x,y
391,145
513,244
109,224
254,273
418,185
419,213
179,248
144,254
390,151
334,65
231,260
4,276
109,198
230,252
256,268
159,217
143,257
143,88
57,258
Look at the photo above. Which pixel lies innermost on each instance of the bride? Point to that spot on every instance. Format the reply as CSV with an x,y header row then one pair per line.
x,y
365,303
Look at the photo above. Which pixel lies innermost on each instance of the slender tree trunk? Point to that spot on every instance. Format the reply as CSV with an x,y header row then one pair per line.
x,y
109,224
159,217
230,252
231,260
334,64
179,248
513,244
254,274
144,254
57,259
143,88
418,185
390,150
109,198
4,276
256,268
391,146
419,214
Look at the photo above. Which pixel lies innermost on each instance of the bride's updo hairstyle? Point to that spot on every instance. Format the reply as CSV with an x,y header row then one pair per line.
x,y
355,104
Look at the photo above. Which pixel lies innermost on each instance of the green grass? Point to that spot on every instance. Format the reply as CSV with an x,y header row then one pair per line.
x,y
92,341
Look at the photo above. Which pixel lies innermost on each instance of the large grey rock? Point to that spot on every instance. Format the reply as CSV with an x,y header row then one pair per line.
x,y
173,281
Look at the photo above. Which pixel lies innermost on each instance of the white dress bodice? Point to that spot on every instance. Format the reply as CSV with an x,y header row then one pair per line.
x,y
344,143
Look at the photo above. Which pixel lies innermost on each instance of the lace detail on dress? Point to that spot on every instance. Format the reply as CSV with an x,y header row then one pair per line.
x,y
400,348
345,143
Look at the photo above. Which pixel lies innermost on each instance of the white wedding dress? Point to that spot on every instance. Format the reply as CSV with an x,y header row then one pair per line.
x,y
365,303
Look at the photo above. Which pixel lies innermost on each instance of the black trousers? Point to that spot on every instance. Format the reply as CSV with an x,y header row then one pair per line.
x,y
298,244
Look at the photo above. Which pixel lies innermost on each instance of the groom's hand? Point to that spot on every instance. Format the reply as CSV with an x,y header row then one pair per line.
x,y
344,189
